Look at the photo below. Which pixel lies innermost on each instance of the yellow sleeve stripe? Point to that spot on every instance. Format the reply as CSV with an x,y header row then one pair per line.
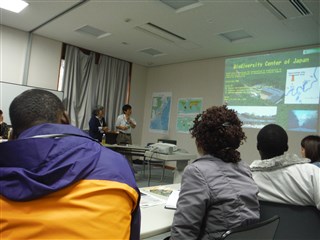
x,y
89,209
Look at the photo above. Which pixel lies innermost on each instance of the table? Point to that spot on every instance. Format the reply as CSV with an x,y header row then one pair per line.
x,y
156,219
133,150
182,159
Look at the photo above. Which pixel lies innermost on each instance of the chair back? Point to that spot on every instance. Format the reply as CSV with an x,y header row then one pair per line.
x,y
297,222
262,230
111,137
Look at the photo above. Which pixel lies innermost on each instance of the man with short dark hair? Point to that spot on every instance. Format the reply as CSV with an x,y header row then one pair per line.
x,y
56,182
124,124
283,177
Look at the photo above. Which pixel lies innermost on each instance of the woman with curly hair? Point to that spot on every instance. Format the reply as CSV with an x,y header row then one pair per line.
x,y
217,189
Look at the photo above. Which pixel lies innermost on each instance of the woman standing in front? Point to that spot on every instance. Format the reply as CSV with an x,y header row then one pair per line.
x,y
217,190
97,124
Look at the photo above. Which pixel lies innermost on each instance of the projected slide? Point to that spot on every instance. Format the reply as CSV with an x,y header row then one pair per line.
x,y
282,88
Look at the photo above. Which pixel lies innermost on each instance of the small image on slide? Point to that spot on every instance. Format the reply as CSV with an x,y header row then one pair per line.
x,y
255,116
302,120
302,86
271,94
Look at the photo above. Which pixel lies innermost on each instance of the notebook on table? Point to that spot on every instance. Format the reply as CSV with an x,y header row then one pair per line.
x,y
172,200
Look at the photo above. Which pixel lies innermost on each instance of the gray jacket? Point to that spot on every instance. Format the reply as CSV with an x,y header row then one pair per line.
x,y
215,196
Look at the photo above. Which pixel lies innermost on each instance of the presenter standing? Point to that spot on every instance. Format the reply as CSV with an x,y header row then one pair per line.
x,y
97,124
124,124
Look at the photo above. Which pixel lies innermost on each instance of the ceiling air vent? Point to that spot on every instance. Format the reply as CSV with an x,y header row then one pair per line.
x,y
94,32
288,9
300,7
159,32
153,52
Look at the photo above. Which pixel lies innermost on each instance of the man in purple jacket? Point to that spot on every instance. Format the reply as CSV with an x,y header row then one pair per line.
x,y
56,182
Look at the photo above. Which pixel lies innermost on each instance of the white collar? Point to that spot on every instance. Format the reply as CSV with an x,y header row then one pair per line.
x,y
278,162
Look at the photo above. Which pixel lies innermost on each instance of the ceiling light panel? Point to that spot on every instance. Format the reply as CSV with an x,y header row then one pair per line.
x,y
13,5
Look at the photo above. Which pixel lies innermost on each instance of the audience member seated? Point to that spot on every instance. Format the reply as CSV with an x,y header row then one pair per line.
x,y
217,189
4,129
284,177
57,183
310,148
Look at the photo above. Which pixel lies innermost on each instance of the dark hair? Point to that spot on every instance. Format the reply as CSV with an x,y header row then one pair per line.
x,y
218,132
1,112
272,141
126,107
311,145
96,110
34,107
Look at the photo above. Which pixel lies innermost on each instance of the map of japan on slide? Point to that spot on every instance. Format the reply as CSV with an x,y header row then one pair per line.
x,y
302,86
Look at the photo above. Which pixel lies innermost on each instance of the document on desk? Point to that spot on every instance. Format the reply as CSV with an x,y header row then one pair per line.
x,y
159,190
172,200
148,200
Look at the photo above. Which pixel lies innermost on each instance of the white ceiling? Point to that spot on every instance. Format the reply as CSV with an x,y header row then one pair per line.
x,y
199,26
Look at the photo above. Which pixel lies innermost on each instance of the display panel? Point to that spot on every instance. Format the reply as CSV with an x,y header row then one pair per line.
x,y
281,88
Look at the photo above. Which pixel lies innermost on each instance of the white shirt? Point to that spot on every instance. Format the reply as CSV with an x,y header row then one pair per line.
x,y
122,121
287,179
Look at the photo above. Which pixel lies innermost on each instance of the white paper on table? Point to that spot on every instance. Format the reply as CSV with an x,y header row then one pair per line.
x,y
148,200
172,200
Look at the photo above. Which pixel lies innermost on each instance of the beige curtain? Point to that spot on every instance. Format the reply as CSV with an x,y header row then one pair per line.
x,y
87,84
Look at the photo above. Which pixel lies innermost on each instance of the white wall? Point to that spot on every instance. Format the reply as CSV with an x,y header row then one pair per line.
x,y
186,80
137,99
13,47
44,63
